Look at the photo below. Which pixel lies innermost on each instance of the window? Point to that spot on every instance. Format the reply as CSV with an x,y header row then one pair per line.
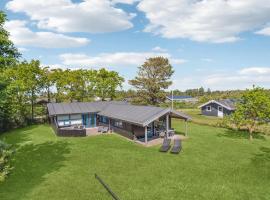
x,y
208,108
220,109
118,124
104,120
63,120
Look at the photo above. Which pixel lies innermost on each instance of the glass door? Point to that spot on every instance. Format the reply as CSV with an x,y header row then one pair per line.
x,y
89,120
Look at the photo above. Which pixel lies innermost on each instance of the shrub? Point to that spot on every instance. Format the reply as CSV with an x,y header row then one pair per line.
x,y
5,156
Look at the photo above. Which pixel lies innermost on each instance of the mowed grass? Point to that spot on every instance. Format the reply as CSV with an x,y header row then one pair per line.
x,y
198,118
214,164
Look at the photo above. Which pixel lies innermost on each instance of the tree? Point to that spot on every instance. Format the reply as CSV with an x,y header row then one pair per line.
x,y
76,84
152,79
47,81
8,57
252,110
106,83
8,53
25,82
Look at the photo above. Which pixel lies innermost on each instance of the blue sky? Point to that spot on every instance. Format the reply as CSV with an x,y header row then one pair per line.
x,y
216,44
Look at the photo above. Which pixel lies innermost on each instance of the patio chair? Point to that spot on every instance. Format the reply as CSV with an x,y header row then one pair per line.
x,y
105,129
176,146
81,126
166,145
100,128
162,134
171,133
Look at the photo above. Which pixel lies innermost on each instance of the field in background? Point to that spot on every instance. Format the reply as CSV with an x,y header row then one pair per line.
x,y
198,118
215,163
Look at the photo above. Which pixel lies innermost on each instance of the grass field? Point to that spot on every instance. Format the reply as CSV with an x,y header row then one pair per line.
x,y
198,118
214,164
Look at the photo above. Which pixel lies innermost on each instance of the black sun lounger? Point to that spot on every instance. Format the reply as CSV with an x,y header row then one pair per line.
x,y
166,145
176,146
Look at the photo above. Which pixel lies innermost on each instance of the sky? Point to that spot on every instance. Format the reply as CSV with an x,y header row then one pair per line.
x,y
216,44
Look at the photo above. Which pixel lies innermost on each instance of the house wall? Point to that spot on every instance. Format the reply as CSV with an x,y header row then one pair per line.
x,y
66,132
214,110
68,120
127,129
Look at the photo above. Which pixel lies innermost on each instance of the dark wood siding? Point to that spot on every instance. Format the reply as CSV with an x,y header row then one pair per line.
x,y
214,110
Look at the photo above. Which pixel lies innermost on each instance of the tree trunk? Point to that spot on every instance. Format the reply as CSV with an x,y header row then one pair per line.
x,y
32,106
48,95
250,134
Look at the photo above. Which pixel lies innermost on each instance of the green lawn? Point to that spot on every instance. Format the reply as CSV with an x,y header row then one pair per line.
x,y
215,164
198,118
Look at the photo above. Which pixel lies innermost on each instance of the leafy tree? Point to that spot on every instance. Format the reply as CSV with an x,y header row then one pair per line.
x,y
25,83
252,110
47,81
76,84
8,53
152,79
58,77
8,57
106,83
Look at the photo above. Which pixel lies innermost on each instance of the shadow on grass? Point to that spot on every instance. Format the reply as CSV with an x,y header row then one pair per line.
x,y
31,165
240,134
262,158
17,136
179,133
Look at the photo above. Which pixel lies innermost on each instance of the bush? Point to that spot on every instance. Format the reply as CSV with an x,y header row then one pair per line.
x,y
5,156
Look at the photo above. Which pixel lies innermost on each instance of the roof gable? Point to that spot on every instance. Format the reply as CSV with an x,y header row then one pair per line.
x,y
226,103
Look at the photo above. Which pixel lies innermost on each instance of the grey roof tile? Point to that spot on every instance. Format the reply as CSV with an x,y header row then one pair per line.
x,y
140,115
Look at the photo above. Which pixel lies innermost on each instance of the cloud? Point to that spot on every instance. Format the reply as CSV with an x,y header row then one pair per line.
x,y
216,21
130,2
157,48
118,59
256,71
21,35
264,31
242,79
22,49
93,16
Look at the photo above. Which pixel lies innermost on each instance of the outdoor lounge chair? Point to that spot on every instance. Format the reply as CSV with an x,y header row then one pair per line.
x,y
166,145
100,128
176,146
105,129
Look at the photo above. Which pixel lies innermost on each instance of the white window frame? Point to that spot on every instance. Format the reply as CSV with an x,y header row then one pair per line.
x,y
208,108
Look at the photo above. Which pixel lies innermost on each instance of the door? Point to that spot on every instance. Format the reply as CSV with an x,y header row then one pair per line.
x,y
150,130
89,120
220,111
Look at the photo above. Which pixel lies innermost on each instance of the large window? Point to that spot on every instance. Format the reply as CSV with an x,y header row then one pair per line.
x,y
76,119
63,120
118,124
104,120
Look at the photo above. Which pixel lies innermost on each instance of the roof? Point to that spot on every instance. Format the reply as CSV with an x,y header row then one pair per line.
x,y
179,97
140,115
226,103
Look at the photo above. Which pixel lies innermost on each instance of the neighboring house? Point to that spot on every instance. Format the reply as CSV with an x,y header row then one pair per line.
x,y
142,122
218,108
189,99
